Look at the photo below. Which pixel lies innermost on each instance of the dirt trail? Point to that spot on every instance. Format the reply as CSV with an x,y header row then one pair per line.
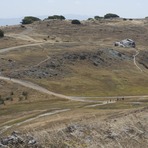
x,y
43,90
104,103
43,115
137,53
35,87
22,37
5,128
42,62
74,98
18,47
110,97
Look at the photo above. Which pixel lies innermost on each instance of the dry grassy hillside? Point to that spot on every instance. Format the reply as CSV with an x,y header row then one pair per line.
x,y
70,81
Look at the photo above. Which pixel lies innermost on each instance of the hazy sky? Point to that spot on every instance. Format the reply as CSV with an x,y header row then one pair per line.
x,y
124,8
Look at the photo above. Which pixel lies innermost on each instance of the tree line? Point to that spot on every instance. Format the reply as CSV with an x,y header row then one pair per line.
x,y
31,19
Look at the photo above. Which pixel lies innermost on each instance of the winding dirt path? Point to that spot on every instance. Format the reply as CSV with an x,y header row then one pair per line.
x,y
74,98
44,90
103,103
34,86
21,46
110,97
5,128
22,37
137,53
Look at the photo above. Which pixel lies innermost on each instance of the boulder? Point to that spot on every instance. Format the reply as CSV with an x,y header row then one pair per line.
x,y
13,139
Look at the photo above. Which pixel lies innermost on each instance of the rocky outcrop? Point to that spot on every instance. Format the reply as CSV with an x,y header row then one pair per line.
x,y
16,140
58,65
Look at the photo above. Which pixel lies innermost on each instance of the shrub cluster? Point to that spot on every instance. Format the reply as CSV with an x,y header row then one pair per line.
x,y
106,16
75,22
2,101
29,20
110,15
58,17
124,19
90,19
6,98
97,17
130,19
1,33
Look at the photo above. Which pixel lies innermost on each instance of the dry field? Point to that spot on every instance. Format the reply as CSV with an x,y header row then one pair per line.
x,y
69,87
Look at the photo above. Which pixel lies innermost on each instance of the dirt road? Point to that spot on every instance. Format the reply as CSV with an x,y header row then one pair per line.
x,y
35,87
19,47
5,128
74,98
43,90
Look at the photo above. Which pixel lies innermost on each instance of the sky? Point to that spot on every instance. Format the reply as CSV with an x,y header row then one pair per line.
x,y
123,8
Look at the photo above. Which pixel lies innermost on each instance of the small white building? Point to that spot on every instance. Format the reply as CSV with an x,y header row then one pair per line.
x,y
126,43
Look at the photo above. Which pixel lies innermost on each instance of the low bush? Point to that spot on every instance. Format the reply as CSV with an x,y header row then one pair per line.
x,y
90,19
111,15
58,17
25,94
1,33
75,22
97,17
124,19
9,98
2,101
29,20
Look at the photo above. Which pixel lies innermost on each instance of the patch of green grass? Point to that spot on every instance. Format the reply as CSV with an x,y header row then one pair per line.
x,y
90,81
16,110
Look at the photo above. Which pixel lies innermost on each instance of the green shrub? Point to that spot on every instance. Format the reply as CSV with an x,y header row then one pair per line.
x,y
124,19
111,15
11,93
90,19
75,22
58,17
25,94
2,101
1,33
130,19
29,20
9,98
21,98
97,17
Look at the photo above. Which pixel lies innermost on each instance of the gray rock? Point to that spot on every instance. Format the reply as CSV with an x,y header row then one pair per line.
x,y
13,139
3,146
32,142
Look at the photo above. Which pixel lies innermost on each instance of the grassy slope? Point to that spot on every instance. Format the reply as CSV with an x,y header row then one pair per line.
x,y
86,80
91,81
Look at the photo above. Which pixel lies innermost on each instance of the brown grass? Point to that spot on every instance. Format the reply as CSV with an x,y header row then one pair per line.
x,y
83,79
